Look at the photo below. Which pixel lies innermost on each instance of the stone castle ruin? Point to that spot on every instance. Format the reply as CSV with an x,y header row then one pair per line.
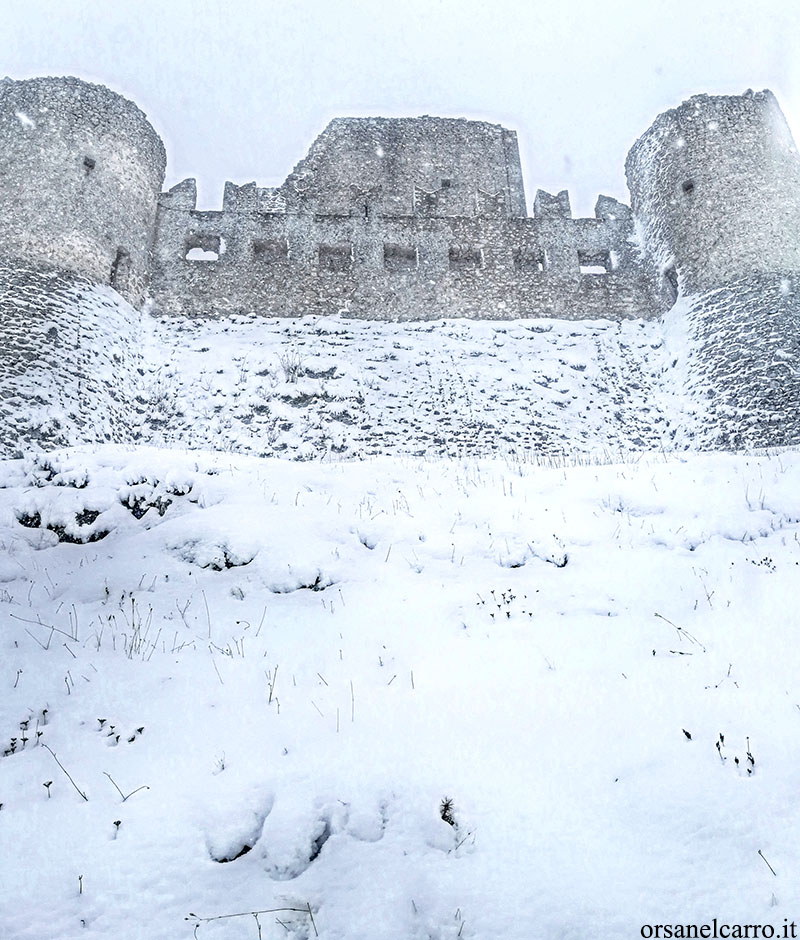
x,y
404,219
398,218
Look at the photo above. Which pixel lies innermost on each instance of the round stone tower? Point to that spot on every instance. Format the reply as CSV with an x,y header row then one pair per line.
x,y
81,169
715,191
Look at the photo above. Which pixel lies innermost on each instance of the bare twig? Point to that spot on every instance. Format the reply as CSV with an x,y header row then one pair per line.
x,y
768,864
681,631
208,613
316,933
463,840
66,772
213,663
49,626
261,624
270,910
52,630
116,786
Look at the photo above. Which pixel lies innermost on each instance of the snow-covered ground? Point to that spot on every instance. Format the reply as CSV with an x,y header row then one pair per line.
x,y
235,684
318,386
79,364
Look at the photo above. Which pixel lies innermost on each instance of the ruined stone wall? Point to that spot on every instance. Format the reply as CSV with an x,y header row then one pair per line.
x,y
399,218
734,357
398,166
68,357
400,267
715,189
80,173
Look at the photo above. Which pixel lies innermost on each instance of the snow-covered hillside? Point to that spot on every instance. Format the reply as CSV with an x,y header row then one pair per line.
x,y
79,364
396,698
319,386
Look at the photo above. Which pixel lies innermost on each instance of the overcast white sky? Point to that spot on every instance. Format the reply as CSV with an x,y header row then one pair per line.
x,y
239,88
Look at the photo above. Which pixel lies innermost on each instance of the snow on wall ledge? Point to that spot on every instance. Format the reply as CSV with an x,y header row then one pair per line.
x,y
68,354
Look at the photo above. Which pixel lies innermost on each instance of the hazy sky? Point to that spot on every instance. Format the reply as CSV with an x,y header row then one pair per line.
x,y
239,88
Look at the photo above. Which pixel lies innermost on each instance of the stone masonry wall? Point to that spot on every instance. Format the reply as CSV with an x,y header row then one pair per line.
x,y
715,187
395,165
68,357
425,265
733,354
80,173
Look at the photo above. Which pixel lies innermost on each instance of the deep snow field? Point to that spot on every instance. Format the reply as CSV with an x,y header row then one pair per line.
x,y
264,677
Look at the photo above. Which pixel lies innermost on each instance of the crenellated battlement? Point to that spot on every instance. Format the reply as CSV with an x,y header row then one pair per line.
x,y
258,254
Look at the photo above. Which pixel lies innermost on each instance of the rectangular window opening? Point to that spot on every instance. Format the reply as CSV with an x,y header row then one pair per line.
x,y
120,269
465,259
336,257
594,262
270,251
529,260
202,247
400,257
